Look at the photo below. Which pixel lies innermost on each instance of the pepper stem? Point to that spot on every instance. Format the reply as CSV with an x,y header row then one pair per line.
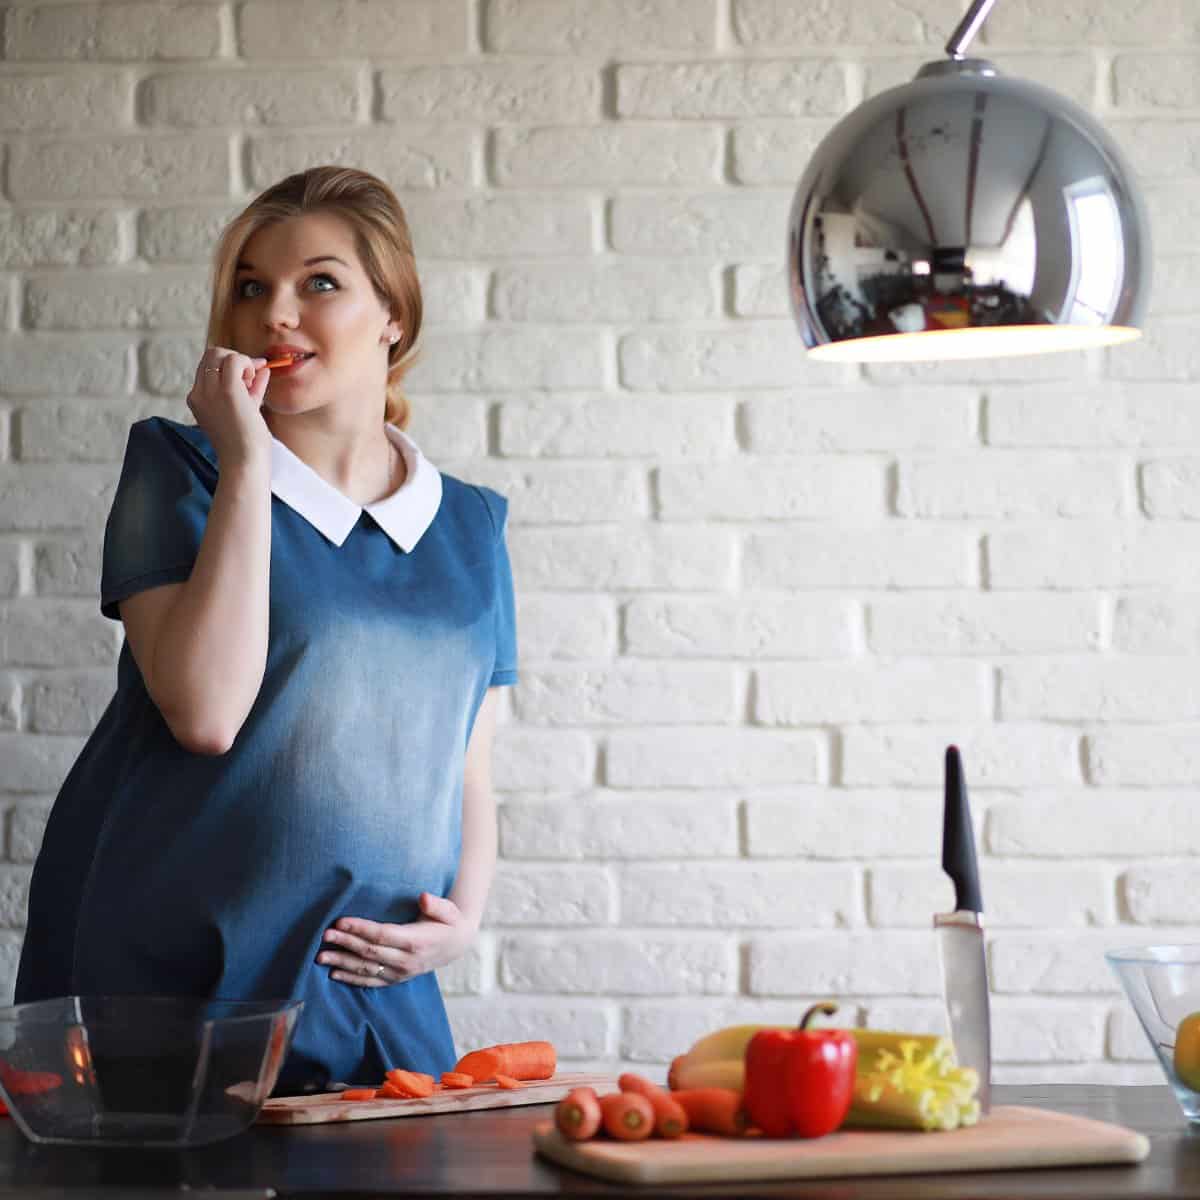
x,y
826,1006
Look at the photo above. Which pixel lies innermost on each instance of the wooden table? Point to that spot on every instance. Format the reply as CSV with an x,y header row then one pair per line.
x,y
489,1154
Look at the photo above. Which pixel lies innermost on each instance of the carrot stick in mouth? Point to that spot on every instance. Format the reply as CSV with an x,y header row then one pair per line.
x,y
285,361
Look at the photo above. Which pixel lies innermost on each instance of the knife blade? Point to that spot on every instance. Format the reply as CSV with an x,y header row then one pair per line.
x,y
960,936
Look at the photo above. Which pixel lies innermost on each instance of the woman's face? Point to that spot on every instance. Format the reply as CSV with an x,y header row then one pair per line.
x,y
301,286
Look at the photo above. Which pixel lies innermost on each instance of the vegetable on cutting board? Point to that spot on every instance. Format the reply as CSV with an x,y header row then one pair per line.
x,y
518,1060
800,1082
577,1115
507,1065
911,1081
670,1119
412,1084
627,1116
714,1110
902,1081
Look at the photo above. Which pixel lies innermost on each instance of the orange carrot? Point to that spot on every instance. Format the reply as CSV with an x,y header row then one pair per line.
x,y
285,361
670,1118
529,1060
507,1082
627,1116
457,1079
521,1060
481,1065
411,1083
713,1109
578,1115
359,1094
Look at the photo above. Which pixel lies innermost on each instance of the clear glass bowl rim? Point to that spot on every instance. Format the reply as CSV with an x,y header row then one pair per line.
x,y
1165,954
258,1009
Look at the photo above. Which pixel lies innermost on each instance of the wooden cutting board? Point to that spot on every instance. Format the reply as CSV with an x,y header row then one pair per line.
x,y
1009,1138
329,1106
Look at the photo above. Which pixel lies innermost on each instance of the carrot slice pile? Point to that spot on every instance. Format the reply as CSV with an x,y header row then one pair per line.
x,y
457,1079
411,1084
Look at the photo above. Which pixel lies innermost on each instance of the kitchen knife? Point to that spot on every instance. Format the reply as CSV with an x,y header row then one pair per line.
x,y
960,936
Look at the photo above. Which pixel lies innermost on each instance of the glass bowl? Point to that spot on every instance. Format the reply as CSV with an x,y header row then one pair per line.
x,y
140,1071
1163,984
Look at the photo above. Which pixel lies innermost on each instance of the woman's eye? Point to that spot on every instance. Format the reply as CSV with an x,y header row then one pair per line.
x,y
243,291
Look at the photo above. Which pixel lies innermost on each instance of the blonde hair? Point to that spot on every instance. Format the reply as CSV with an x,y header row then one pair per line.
x,y
382,240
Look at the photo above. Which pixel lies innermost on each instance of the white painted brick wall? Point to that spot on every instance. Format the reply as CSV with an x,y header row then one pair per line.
x,y
757,595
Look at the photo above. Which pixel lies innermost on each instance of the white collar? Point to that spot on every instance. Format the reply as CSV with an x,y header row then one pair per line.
x,y
403,516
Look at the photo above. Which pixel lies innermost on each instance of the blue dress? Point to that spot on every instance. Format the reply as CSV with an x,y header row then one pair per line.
x,y
167,872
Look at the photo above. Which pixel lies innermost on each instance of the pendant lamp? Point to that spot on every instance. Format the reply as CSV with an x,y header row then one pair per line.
x,y
966,215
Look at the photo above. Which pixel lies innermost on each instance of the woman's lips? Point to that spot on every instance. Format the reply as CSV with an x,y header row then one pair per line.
x,y
289,362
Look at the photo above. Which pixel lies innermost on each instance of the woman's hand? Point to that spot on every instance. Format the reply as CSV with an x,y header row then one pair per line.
x,y
226,400
373,954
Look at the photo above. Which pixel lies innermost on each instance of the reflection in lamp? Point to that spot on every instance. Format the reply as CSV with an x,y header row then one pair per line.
x,y
1094,220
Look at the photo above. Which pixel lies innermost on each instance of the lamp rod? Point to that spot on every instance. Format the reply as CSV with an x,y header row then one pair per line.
x,y
968,27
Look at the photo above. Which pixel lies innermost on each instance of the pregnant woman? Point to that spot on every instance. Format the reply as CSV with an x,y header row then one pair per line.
x,y
289,796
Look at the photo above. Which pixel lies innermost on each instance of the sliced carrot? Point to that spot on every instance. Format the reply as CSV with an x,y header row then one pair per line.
x,y
390,1092
481,1065
411,1083
670,1117
627,1116
507,1082
359,1094
713,1109
457,1079
577,1115
521,1060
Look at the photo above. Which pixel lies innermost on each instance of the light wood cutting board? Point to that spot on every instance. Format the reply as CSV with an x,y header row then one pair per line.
x,y
1009,1138
329,1106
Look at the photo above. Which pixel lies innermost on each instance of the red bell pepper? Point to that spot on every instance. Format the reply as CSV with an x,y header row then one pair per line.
x,y
799,1082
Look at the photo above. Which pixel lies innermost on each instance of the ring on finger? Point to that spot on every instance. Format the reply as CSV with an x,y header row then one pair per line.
x,y
379,970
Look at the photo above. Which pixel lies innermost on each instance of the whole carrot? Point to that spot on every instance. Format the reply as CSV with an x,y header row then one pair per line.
x,y
578,1115
627,1116
713,1110
670,1118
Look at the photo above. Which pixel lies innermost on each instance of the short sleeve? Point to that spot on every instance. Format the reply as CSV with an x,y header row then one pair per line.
x,y
158,515
505,670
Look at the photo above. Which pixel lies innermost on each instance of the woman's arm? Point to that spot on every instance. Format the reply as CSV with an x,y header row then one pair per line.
x,y
201,646
477,862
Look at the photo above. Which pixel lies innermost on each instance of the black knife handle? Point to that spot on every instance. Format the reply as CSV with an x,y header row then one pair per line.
x,y
958,838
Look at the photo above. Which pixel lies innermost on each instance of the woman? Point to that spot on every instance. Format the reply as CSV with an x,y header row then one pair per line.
x,y
290,795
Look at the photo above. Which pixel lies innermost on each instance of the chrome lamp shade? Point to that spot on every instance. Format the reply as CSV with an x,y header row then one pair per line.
x,y
966,215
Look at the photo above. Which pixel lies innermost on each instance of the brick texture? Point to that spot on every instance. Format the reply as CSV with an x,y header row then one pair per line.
x,y
758,595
